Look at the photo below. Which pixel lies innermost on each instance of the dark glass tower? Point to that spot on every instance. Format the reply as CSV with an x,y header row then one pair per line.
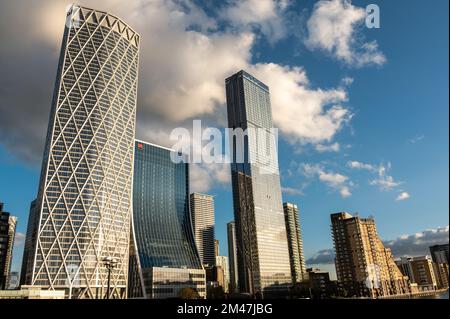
x,y
262,250
162,226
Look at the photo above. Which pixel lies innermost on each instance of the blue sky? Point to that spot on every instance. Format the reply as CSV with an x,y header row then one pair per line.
x,y
391,144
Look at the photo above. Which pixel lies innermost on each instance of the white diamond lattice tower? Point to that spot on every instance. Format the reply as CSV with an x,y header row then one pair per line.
x,y
84,198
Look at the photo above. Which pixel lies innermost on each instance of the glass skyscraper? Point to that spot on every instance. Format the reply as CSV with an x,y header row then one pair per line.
x,y
262,250
165,255
83,208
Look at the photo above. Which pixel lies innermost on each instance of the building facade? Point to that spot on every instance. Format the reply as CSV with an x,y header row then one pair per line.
x,y
165,258
439,253
83,208
222,261
202,210
364,267
424,272
263,255
7,233
295,242
29,249
232,257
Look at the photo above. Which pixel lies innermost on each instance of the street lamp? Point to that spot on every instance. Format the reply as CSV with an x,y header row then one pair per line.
x,y
110,263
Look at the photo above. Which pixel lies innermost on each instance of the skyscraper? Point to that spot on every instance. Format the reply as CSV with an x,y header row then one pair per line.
x,y
167,257
202,210
7,233
263,256
232,256
84,198
295,242
364,267
29,249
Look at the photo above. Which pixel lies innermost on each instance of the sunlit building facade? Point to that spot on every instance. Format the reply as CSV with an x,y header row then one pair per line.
x,y
263,255
165,258
364,266
202,211
295,242
83,208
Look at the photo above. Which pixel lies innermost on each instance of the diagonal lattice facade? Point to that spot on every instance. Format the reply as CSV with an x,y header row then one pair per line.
x,y
84,199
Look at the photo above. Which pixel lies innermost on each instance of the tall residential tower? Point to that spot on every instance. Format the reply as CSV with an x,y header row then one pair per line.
x,y
364,267
295,242
202,210
263,255
83,208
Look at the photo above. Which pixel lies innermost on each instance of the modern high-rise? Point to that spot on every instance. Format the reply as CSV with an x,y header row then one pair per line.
x,y
364,267
232,256
295,242
83,207
202,210
29,249
164,258
7,233
439,253
263,255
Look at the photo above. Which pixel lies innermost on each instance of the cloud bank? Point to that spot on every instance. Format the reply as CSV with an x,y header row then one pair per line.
x,y
185,57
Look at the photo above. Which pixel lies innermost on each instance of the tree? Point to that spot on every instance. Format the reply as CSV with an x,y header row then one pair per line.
x,y
188,293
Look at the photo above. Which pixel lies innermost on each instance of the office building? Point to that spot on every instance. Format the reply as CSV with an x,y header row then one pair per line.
x,y
7,233
202,210
262,249
439,253
165,258
222,261
295,242
83,207
232,257
29,248
364,267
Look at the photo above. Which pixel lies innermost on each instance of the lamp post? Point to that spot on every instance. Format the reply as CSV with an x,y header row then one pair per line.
x,y
110,263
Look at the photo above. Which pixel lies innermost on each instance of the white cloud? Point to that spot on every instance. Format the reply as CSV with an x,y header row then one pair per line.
x,y
265,16
402,196
384,181
303,114
292,191
418,244
184,60
416,139
335,181
333,27
345,192
335,147
360,165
